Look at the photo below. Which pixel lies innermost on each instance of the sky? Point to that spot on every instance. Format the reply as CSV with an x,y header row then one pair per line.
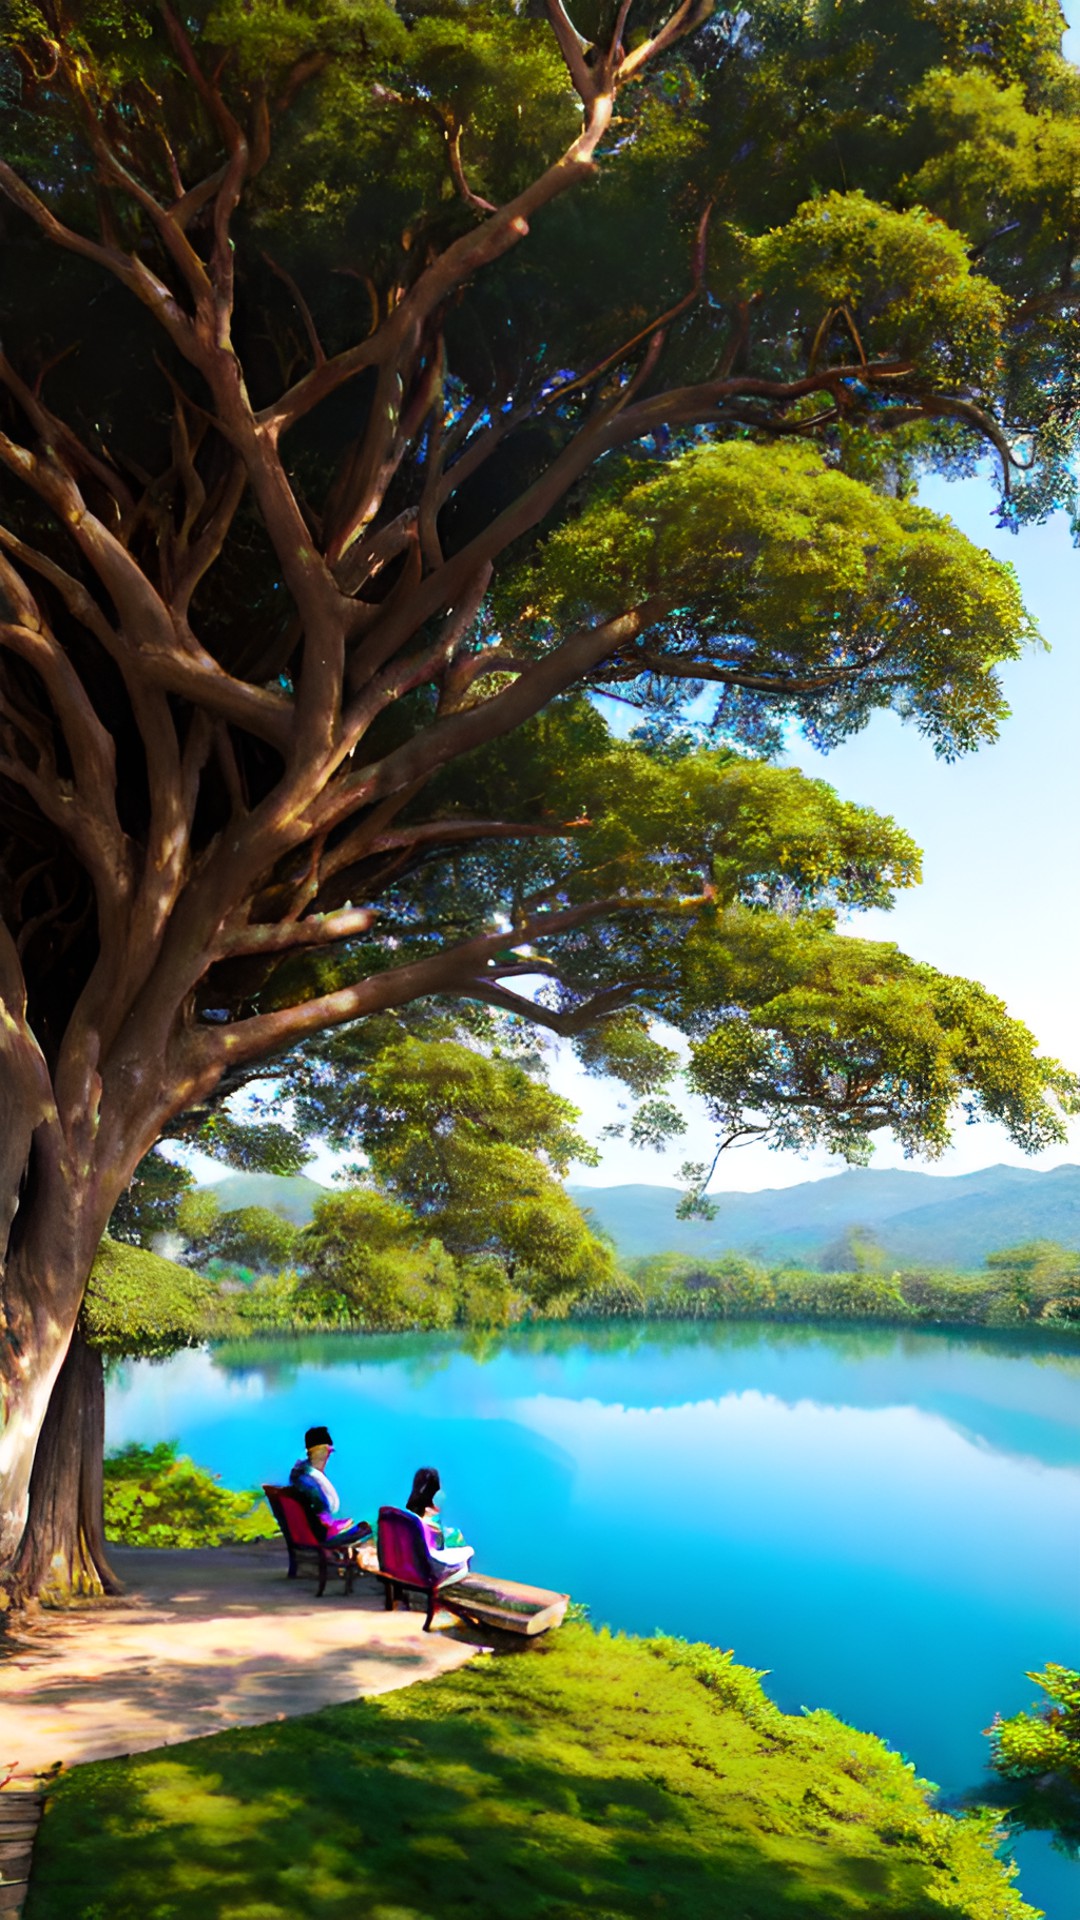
x,y
1000,898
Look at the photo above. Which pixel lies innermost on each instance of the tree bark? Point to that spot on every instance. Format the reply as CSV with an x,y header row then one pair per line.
x,y
63,1555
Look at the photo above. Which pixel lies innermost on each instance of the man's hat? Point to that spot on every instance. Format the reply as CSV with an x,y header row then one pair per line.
x,y
318,1437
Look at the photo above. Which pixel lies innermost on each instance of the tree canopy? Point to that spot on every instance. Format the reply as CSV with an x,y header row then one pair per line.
x,y
382,386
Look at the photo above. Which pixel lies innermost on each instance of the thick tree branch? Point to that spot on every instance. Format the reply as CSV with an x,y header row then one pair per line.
x,y
127,268
492,719
170,230
148,640
573,47
286,936
567,1023
211,1052
89,743
452,831
27,1107
434,665
692,14
57,433
465,257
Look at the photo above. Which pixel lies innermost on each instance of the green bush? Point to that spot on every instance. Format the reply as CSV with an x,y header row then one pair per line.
x,y
157,1497
367,1259
1020,1288
139,1303
1047,1741
285,1303
960,1299
1037,1280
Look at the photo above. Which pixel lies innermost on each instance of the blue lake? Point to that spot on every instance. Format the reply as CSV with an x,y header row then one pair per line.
x,y
889,1522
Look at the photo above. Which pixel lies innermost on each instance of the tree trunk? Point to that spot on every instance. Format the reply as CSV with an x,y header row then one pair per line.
x,y
62,1556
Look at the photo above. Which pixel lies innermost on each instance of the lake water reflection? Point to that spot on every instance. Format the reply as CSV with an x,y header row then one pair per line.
x,y
888,1521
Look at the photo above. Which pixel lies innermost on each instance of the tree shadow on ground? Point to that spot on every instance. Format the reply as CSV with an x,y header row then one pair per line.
x,y
479,1796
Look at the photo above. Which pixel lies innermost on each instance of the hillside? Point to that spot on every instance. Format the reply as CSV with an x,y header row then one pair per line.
x,y
920,1218
293,1195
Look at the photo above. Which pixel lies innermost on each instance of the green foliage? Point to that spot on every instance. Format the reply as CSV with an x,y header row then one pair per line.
x,y
471,1144
152,1201
655,1123
260,1146
990,157
591,1774
138,1303
279,1303
1039,1279
1047,1741
198,1214
682,1286
365,1256
157,1497
764,550
254,1238
160,1199
856,1036
901,285
1037,1756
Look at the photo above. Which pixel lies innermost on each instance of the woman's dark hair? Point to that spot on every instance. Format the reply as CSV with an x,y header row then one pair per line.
x,y
425,1486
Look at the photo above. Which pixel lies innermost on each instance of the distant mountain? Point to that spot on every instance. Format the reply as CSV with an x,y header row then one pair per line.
x,y
292,1194
919,1218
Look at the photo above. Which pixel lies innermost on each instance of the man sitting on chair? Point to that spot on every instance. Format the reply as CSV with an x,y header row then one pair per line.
x,y
309,1478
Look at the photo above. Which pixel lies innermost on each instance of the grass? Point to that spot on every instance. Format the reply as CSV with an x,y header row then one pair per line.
x,y
589,1775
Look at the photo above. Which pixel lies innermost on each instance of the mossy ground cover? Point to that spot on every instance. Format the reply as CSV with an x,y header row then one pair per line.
x,y
590,1775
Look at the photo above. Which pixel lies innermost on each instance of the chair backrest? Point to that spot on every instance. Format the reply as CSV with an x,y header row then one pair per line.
x,y
403,1547
291,1512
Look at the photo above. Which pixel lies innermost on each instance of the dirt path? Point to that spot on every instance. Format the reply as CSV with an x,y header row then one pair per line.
x,y
202,1640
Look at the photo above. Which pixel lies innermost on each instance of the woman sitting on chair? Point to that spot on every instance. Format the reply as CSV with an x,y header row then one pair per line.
x,y
446,1545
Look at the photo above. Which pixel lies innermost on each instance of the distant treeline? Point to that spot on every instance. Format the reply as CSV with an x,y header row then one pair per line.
x,y
1038,1283
141,1303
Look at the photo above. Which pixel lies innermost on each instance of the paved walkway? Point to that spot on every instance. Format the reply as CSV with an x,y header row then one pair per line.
x,y
202,1640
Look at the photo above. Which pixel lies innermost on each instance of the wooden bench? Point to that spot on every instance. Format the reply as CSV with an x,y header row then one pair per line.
x,y
403,1565
301,1530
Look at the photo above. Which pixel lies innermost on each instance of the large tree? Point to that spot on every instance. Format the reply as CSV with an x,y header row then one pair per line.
x,y
381,382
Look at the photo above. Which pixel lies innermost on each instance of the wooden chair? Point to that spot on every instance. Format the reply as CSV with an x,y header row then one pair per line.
x,y
405,1564
485,1600
302,1532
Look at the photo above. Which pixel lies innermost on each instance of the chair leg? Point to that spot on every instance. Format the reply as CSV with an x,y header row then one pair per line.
x,y
323,1564
388,1595
291,1575
432,1600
